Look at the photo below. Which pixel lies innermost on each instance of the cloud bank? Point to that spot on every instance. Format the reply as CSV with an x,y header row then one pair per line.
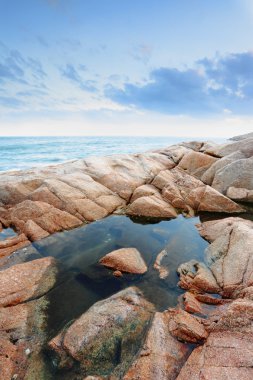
x,y
213,86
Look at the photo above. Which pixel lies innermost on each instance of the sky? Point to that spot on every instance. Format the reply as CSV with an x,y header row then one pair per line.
x,y
126,67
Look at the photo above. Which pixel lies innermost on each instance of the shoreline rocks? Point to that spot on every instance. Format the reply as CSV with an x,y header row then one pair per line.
x,y
122,336
39,202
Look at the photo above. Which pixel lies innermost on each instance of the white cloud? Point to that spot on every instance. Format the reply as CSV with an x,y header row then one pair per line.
x,y
125,123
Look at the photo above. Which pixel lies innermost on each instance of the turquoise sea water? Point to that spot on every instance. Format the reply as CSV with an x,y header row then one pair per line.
x,y
26,152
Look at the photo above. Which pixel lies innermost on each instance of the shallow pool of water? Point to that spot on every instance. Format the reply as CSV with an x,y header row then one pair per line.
x,y
7,233
84,281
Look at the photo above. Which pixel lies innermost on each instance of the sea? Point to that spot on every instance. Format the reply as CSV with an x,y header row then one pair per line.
x,y
17,153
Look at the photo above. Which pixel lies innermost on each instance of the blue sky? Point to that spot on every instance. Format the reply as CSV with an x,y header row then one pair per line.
x,y
112,67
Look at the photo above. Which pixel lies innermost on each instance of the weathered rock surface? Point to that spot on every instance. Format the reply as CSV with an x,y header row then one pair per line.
x,y
244,146
242,137
230,257
151,206
228,348
23,307
24,282
191,304
208,175
107,339
144,191
228,351
94,339
185,327
183,190
9,245
237,174
225,356
240,194
196,276
42,201
196,163
162,355
125,260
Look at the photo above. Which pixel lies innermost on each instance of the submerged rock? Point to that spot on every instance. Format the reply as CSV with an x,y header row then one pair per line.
x,y
163,271
127,260
117,273
106,337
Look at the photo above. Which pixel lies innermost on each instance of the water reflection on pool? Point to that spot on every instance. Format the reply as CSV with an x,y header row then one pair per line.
x,y
84,281
7,233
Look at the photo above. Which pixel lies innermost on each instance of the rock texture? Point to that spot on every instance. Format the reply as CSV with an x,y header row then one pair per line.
x,y
189,177
24,282
122,337
23,307
94,340
162,355
227,352
125,260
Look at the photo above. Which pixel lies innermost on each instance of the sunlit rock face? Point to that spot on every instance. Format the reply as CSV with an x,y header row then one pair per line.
x,y
123,336
189,177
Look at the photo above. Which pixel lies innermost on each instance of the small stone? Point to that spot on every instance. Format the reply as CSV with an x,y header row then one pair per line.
x,y
117,273
27,351
125,260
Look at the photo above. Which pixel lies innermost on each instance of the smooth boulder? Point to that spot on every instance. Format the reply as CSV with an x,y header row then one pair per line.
x,y
127,260
95,338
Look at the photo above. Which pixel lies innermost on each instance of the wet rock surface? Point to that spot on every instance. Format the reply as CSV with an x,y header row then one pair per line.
x,y
23,316
105,338
122,337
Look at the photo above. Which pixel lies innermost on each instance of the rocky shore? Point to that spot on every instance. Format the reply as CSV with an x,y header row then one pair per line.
x,y
209,335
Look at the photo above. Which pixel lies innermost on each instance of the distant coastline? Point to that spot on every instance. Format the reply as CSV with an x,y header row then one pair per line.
x,y
18,153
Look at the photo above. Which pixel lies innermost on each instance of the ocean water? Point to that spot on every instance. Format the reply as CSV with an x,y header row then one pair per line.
x,y
18,153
